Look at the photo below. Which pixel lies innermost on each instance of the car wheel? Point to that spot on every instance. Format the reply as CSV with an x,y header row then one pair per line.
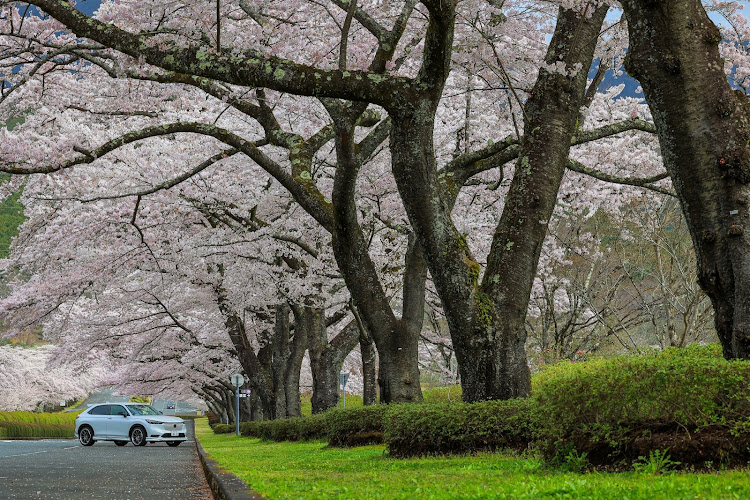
x,y
173,443
86,435
138,436
121,443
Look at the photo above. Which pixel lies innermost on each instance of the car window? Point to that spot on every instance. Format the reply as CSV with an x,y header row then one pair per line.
x,y
100,410
117,409
143,410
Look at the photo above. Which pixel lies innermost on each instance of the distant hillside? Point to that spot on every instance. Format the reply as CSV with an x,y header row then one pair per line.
x,y
11,216
11,210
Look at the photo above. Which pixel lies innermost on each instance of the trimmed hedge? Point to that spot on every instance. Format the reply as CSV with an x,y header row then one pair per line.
x,y
25,429
3,432
356,426
224,428
61,418
690,400
610,411
291,429
428,429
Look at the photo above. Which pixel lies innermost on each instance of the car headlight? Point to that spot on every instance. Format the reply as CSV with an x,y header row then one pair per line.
x,y
154,422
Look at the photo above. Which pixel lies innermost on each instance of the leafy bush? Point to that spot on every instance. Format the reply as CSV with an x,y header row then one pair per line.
x,y
25,429
294,429
691,400
224,428
356,426
426,429
3,432
250,429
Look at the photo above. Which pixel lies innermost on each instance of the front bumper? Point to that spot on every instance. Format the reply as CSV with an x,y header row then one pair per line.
x,y
166,432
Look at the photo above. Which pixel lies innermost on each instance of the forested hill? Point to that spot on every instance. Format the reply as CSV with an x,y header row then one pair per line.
x,y
11,216
11,210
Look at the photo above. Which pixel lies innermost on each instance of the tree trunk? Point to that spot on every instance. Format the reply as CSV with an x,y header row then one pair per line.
x,y
396,339
326,357
251,365
280,355
293,367
704,135
369,372
487,320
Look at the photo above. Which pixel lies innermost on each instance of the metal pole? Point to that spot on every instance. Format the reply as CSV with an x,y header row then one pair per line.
x,y
343,389
237,410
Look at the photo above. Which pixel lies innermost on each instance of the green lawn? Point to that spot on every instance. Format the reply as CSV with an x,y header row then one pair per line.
x,y
311,470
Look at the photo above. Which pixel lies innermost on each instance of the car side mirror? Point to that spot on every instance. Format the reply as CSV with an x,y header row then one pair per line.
x,y
122,413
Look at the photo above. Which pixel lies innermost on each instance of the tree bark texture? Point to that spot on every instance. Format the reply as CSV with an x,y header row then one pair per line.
x,y
292,370
280,356
486,320
550,122
251,365
396,339
704,135
326,357
369,364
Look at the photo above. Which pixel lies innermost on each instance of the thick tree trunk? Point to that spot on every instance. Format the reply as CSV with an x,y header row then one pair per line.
x,y
396,339
326,357
251,365
704,135
487,321
550,122
293,368
280,355
369,371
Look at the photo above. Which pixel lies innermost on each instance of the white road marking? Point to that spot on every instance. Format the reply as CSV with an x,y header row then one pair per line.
x,y
38,452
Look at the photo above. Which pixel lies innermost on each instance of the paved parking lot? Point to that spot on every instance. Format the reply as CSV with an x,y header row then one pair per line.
x,y
65,469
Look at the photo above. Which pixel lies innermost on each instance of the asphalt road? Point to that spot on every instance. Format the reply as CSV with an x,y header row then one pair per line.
x,y
63,469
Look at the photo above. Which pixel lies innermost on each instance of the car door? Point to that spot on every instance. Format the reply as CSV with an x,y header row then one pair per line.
x,y
118,424
98,418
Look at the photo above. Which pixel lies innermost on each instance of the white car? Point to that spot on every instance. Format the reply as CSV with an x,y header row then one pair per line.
x,y
123,422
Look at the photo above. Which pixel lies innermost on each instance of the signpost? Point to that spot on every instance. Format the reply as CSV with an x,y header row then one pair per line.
x,y
344,377
237,381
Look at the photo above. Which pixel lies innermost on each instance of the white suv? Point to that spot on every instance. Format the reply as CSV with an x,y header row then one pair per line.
x,y
123,422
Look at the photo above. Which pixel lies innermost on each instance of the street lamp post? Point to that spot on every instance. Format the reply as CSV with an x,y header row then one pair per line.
x,y
237,381
344,377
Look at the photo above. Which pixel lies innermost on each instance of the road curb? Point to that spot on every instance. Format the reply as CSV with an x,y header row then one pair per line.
x,y
224,485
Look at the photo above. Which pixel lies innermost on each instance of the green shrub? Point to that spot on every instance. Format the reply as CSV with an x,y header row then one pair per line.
x,y
224,428
426,429
250,429
25,429
356,426
293,429
619,408
3,432
61,418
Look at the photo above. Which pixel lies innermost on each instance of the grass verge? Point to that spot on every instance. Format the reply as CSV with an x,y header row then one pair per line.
x,y
313,470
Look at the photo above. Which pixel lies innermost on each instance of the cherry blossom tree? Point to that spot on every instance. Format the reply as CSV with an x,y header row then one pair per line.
x,y
31,378
205,81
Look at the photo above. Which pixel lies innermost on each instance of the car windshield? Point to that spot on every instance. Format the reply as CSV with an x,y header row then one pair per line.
x,y
143,410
